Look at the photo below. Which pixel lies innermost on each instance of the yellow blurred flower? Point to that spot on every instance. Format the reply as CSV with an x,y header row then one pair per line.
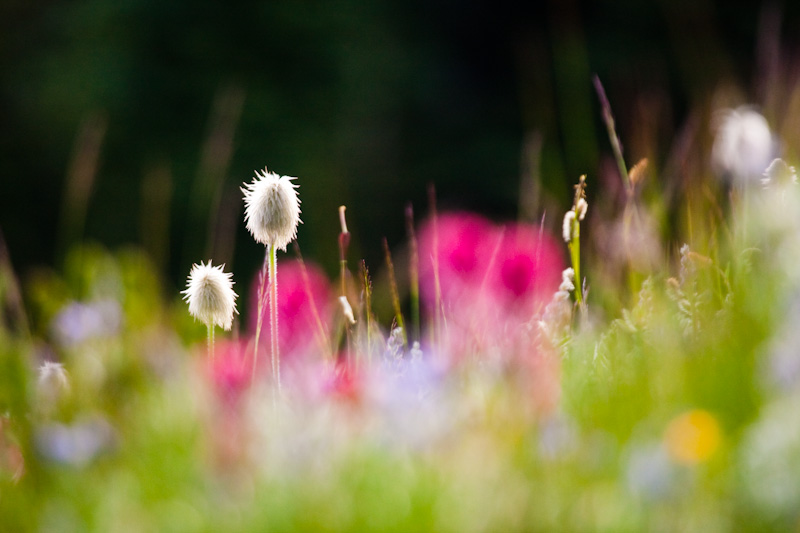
x,y
693,437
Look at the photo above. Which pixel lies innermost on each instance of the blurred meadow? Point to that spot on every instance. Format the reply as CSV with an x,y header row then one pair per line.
x,y
546,276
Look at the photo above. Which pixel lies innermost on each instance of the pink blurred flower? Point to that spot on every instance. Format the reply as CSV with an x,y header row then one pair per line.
x,y
527,269
517,266
303,307
229,370
345,384
462,246
493,281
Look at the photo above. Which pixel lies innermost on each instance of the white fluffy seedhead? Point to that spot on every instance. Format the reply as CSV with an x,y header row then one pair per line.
x,y
567,280
210,295
272,209
743,146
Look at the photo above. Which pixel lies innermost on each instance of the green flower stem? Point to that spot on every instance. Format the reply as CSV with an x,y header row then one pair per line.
x,y
575,257
211,340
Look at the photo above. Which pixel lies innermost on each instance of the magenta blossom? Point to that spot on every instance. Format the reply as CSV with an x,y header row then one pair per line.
x,y
527,269
345,384
493,282
303,309
230,370
461,245
518,265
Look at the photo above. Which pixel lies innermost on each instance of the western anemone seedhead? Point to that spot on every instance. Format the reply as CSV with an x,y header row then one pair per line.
x,y
272,209
743,146
210,295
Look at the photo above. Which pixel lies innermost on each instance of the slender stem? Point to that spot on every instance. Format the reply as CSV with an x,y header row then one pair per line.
x,y
344,243
345,323
273,316
413,273
575,241
367,308
395,296
211,341
438,309
262,279
575,257
616,145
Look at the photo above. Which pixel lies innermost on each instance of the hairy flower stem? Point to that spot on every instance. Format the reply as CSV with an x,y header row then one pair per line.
x,y
211,341
260,311
273,316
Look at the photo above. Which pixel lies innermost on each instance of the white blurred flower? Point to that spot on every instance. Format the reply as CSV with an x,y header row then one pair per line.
x,y
210,295
779,172
347,309
566,227
52,385
743,145
583,206
272,209
53,375
782,365
567,280
770,459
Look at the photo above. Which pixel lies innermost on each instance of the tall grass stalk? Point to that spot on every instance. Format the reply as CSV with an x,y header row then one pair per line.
x,y
438,310
81,177
260,311
344,244
398,313
367,308
616,145
413,273
10,287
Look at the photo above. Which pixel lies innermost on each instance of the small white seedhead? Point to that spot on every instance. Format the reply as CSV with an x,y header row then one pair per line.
x,y
566,228
582,207
272,209
779,172
567,280
52,385
347,309
743,146
210,295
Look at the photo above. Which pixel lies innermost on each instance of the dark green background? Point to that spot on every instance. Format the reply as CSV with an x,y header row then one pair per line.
x,y
367,102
